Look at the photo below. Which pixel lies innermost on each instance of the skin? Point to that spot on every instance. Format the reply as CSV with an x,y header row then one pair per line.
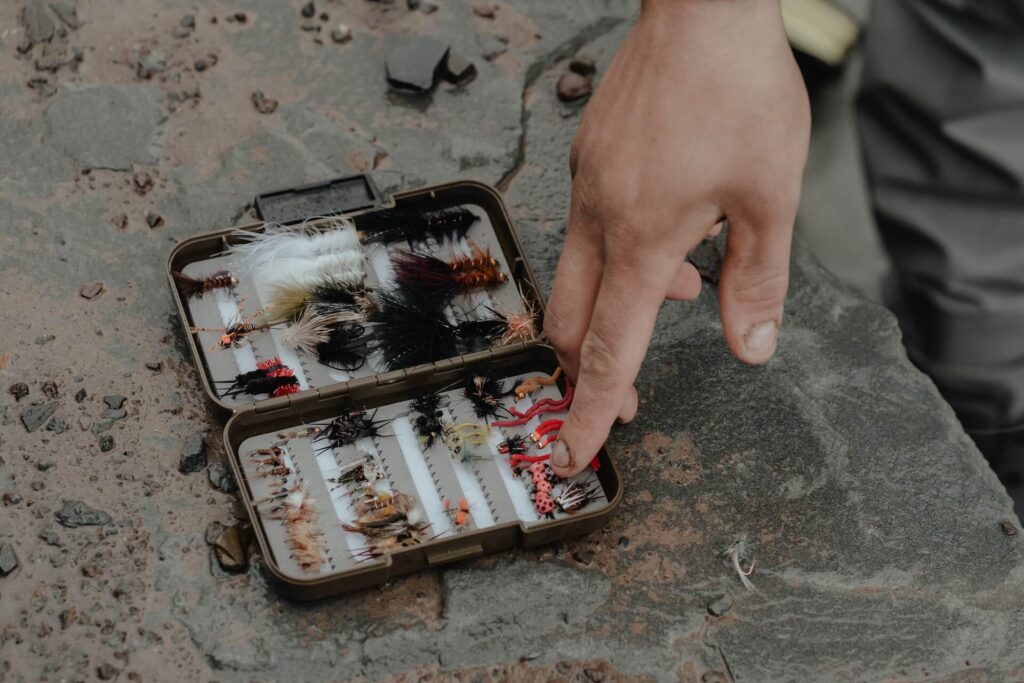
x,y
701,115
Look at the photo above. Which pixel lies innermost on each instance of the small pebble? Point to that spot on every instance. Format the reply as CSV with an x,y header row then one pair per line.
x,y
309,10
107,671
80,395
106,443
263,104
584,557
1008,528
8,559
51,537
18,390
571,87
193,455
241,17
50,389
428,7
36,416
45,339
484,9
153,219
188,21
155,366
143,182
114,401
75,513
11,498
457,69
623,542
44,465
583,64
201,65
91,290
342,33
720,605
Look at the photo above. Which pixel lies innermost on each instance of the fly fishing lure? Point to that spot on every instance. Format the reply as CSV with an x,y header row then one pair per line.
x,y
385,514
328,294
347,429
270,377
532,384
462,439
459,512
411,328
542,477
345,348
497,328
235,332
302,525
428,423
362,473
445,278
255,249
196,287
313,329
414,226
514,445
349,266
484,393
573,496
381,546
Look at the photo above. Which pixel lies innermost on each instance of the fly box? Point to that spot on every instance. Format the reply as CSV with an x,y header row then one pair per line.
x,y
392,403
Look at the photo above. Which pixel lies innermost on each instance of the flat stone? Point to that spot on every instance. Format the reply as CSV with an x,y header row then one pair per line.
x,y
38,25
457,69
571,87
114,401
91,290
193,455
230,549
75,513
720,605
107,126
101,426
66,12
413,62
221,477
118,414
8,559
36,416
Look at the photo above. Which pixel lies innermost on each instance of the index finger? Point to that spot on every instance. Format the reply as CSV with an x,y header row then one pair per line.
x,y
612,351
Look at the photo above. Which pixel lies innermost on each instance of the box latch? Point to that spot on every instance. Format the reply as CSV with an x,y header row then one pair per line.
x,y
341,195
461,553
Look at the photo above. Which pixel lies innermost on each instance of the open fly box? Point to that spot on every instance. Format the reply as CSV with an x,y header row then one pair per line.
x,y
375,455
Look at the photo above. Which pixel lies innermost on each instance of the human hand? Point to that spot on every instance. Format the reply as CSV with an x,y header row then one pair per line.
x,y
702,115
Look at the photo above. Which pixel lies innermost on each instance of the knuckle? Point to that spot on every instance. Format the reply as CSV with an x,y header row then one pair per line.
x,y
759,286
598,361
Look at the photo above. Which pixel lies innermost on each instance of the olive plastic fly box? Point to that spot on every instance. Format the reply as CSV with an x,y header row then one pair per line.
x,y
501,514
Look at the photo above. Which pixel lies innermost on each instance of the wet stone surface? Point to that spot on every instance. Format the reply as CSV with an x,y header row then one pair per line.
x,y
884,549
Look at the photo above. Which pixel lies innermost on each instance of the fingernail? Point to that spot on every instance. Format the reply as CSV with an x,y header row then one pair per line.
x,y
760,339
561,456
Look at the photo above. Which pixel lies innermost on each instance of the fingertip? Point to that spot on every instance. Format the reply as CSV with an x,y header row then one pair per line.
x,y
685,285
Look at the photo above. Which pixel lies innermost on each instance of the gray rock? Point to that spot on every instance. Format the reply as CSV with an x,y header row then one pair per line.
x,y
119,414
262,103
101,426
36,416
221,477
8,559
18,390
413,61
106,443
50,536
114,401
107,126
720,605
57,425
81,395
66,12
457,69
38,25
572,86
193,455
153,62
491,46
75,513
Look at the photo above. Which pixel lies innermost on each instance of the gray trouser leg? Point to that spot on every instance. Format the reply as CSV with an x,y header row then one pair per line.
x,y
941,116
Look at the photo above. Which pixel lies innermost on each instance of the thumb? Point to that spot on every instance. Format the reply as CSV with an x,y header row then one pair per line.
x,y
754,280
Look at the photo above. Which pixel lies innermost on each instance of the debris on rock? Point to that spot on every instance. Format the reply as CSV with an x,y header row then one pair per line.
x,y
57,425
155,365
153,219
91,290
485,10
572,87
624,542
75,513
263,104
44,85
342,33
49,536
1008,528
143,182
8,559
584,557
583,64
36,416
413,62
106,443
150,63
114,401
457,69
193,455
229,547
107,671
720,605
221,477
308,10
50,389
53,56
18,390
81,395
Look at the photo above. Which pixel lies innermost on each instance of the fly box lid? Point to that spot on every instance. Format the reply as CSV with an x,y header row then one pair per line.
x,y
392,401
